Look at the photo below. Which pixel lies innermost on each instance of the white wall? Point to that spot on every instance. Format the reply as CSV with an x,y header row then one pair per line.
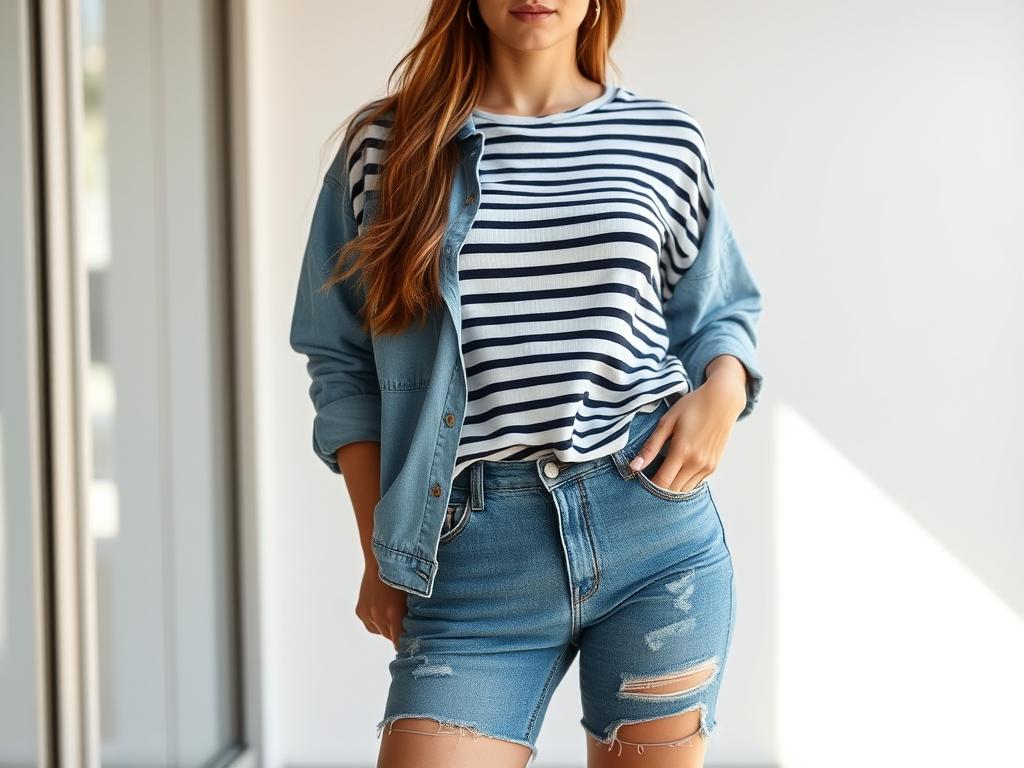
x,y
870,154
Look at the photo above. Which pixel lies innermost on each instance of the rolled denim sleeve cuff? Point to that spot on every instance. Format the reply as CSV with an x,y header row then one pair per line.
x,y
348,420
723,342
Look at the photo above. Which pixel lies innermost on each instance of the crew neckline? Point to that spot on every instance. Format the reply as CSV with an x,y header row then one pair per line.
x,y
551,117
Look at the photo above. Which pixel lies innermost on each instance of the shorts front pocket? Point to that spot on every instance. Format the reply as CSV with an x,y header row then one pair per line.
x,y
644,475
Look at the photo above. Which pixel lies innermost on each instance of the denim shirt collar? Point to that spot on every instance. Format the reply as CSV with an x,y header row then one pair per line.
x,y
468,128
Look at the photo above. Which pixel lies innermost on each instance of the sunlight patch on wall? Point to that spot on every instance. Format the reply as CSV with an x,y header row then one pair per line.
x,y
891,651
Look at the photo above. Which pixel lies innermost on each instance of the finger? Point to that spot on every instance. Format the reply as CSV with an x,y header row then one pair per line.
x,y
687,480
669,469
652,444
371,627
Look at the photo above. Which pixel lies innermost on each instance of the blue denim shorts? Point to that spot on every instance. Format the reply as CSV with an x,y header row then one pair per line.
x,y
540,560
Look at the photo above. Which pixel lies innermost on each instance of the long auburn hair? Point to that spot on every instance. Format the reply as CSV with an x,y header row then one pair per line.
x,y
440,79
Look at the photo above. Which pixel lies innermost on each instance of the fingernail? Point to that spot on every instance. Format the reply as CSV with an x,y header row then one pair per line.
x,y
637,463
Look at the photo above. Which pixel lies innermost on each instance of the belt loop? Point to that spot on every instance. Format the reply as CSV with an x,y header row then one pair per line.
x,y
476,486
621,461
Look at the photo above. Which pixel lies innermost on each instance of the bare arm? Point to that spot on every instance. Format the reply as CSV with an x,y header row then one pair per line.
x,y
344,388
380,606
360,464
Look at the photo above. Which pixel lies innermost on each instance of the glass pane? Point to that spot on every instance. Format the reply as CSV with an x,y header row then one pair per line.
x,y
160,503
20,511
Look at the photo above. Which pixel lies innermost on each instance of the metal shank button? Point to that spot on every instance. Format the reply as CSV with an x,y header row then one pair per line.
x,y
449,419
435,489
551,469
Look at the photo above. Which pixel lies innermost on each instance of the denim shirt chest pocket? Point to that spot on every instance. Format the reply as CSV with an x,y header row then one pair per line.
x,y
406,361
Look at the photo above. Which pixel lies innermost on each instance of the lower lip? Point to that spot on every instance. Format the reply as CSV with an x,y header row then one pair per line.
x,y
534,17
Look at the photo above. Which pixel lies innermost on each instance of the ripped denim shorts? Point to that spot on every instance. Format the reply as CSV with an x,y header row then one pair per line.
x,y
540,560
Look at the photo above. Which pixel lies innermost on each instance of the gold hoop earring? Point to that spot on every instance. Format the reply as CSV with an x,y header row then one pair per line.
x,y
469,16
597,13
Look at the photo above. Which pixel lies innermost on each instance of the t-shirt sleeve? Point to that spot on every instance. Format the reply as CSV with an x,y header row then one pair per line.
x,y
712,302
690,202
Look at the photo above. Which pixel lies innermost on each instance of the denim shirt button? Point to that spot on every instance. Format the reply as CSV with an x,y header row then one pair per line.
x,y
435,489
470,199
449,419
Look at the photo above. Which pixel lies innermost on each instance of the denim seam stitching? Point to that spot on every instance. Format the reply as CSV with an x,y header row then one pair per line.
x,y
732,589
395,385
544,691
590,536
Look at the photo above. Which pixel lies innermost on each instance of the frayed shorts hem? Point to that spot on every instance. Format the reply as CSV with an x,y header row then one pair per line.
x,y
610,736
473,727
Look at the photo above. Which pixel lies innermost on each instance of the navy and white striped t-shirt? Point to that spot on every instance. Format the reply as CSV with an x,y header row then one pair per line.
x,y
588,218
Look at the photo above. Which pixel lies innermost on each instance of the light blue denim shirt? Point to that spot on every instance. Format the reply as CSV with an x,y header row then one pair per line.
x,y
408,391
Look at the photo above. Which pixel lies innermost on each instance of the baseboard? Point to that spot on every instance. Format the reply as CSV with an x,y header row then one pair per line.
x,y
538,765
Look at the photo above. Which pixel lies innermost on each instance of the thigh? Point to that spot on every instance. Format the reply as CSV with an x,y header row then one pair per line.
x,y
660,649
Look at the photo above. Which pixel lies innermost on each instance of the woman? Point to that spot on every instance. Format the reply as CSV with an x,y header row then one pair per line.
x,y
530,331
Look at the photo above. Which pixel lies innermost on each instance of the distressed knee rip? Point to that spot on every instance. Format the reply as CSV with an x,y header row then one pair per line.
x,y
672,684
669,685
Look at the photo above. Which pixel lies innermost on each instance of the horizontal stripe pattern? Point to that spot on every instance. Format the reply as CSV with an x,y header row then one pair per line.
x,y
588,219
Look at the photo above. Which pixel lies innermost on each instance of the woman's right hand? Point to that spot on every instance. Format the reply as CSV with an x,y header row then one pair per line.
x,y
381,607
